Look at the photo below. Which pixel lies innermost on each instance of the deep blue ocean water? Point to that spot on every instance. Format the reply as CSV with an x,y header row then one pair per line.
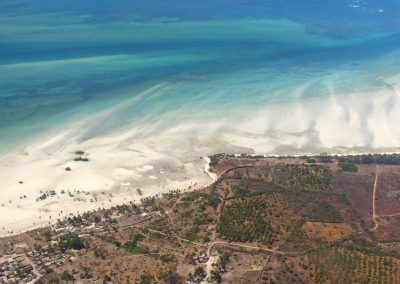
x,y
62,60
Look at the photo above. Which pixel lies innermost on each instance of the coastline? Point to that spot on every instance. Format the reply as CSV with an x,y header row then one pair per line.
x,y
157,157
61,205
104,175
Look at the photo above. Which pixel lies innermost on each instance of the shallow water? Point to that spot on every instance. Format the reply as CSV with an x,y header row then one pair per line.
x,y
230,62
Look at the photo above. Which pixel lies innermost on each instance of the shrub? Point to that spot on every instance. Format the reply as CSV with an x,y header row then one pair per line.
x,y
66,276
145,279
132,245
348,167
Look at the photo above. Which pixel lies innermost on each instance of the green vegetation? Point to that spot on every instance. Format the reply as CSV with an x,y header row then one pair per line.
x,y
80,159
322,210
162,225
214,160
71,241
191,216
146,279
66,276
43,196
348,167
308,205
75,221
224,259
240,190
46,269
100,252
203,219
308,177
132,245
107,279
168,258
383,159
338,265
111,239
200,272
212,200
243,221
216,276
22,272
369,247
149,204
192,234
209,199
47,236
296,240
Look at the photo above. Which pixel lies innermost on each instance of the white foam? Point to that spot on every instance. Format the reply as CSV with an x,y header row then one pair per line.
x,y
131,158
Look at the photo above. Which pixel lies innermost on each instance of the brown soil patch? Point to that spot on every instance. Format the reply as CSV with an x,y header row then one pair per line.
x,y
388,191
358,189
388,229
244,268
329,231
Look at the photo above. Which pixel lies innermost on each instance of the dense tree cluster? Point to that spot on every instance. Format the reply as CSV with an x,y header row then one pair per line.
x,y
243,221
384,159
348,167
303,176
214,160
149,204
71,241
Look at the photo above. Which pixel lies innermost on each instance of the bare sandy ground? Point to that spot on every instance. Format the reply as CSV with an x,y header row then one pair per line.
x,y
111,175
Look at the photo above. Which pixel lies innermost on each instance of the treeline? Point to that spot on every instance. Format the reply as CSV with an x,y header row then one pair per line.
x,y
382,159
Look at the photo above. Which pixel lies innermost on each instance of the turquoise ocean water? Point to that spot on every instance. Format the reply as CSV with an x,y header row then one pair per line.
x,y
63,61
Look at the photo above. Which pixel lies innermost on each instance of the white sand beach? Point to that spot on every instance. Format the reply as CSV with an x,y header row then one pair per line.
x,y
113,172
88,172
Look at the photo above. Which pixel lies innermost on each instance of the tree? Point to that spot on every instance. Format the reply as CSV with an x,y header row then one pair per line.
x,y
106,279
71,241
100,252
200,272
46,269
216,276
47,236
172,279
145,279
66,276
